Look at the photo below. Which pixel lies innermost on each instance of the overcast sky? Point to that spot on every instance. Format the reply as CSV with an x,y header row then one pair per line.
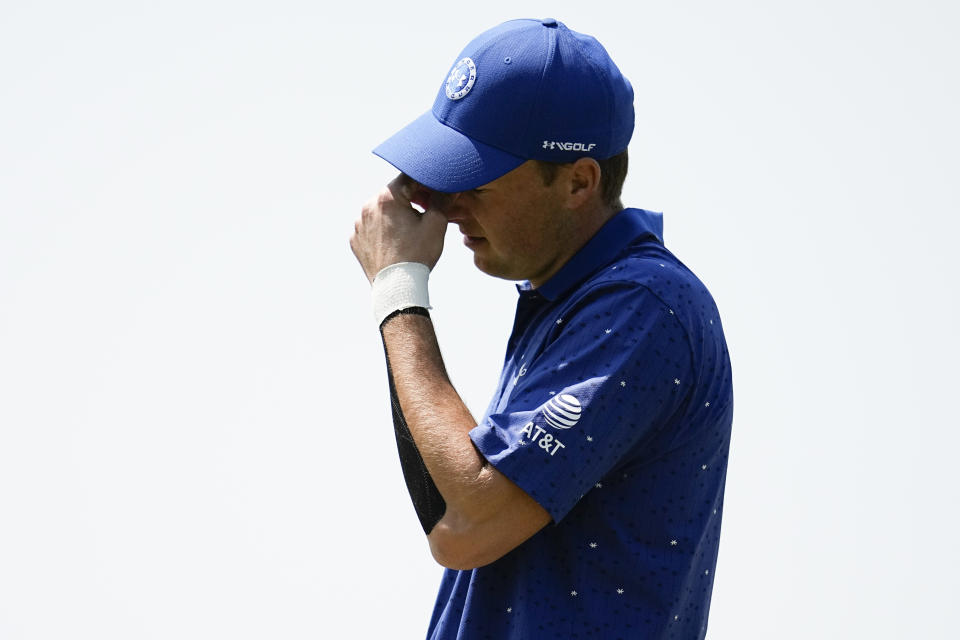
x,y
195,439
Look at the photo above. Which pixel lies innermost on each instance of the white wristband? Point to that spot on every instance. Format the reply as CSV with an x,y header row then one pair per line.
x,y
400,286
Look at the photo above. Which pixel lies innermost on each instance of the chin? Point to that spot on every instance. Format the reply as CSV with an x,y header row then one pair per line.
x,y
495,270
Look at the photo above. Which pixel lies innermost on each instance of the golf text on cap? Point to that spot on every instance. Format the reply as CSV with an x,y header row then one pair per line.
x,y
461,79
569,146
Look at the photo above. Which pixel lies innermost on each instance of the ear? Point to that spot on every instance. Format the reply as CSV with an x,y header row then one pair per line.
x,y
583,180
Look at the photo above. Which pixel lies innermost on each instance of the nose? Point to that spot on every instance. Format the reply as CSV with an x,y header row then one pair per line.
x,y
426,198
445,203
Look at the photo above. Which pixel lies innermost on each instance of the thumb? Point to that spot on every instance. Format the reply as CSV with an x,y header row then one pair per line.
x,y
434,221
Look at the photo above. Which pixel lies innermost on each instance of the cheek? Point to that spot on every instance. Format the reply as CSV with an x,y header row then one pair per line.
x,y
514,238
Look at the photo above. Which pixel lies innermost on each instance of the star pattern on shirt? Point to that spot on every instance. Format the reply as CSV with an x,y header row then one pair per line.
x,y
584,338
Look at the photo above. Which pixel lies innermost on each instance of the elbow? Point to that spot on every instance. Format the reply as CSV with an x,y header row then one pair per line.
x,y
486,530
456,548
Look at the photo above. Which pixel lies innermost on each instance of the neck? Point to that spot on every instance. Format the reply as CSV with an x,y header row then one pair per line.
x,y
576,230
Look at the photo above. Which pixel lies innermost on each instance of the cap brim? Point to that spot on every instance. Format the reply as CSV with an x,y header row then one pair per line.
x,y
444,159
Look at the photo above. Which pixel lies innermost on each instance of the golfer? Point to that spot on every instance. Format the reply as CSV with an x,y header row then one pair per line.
x,y
586,501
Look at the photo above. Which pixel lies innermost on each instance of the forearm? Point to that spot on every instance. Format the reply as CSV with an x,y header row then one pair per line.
x,y
437,418
472,513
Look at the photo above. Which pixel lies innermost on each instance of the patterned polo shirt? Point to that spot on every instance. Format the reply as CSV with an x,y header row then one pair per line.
x,y
613,412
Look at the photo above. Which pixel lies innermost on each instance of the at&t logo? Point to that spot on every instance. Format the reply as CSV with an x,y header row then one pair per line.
x,y
560,412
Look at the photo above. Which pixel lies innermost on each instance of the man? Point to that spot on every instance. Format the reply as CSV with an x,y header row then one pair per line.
x,y
586,501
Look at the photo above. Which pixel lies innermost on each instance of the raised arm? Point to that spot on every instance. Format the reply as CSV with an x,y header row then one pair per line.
x,y
486,515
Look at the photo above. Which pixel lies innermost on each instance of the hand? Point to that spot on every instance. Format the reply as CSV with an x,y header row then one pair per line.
x,y
390,230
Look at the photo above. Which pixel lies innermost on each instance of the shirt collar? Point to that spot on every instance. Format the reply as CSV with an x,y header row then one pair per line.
x,y
613,236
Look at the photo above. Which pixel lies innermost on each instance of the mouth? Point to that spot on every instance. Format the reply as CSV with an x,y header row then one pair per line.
x,y
472,242
469,240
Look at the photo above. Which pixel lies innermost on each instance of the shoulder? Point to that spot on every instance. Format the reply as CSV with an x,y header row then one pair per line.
x,y
646,284
645,269
652,266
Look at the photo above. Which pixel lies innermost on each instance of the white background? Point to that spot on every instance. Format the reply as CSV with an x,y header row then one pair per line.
x,y
194,430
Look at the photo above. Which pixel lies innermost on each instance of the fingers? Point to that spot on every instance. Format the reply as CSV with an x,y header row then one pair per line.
x,y
391,230
405,183
414,193
441,201
403,188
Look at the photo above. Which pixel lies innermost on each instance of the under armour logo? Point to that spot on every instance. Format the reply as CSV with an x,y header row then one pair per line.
x,y
569,146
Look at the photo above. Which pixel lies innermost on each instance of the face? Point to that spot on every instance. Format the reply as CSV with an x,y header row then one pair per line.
x,y
515,226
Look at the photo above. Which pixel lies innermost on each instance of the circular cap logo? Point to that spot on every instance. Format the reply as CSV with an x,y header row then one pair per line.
x,y
461,79
562,412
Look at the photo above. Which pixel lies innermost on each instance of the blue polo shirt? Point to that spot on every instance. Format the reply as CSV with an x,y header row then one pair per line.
x,y
613,412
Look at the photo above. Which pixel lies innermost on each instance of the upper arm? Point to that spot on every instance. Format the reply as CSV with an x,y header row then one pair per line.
x,y
618,369
500,517
616,373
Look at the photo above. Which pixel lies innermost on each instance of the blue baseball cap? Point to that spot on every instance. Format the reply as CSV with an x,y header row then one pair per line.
x,y
524,90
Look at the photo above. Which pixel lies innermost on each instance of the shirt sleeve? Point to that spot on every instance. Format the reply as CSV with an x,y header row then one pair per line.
x,y
615,370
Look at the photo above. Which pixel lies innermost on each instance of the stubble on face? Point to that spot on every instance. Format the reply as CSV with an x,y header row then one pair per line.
x,y
520,225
